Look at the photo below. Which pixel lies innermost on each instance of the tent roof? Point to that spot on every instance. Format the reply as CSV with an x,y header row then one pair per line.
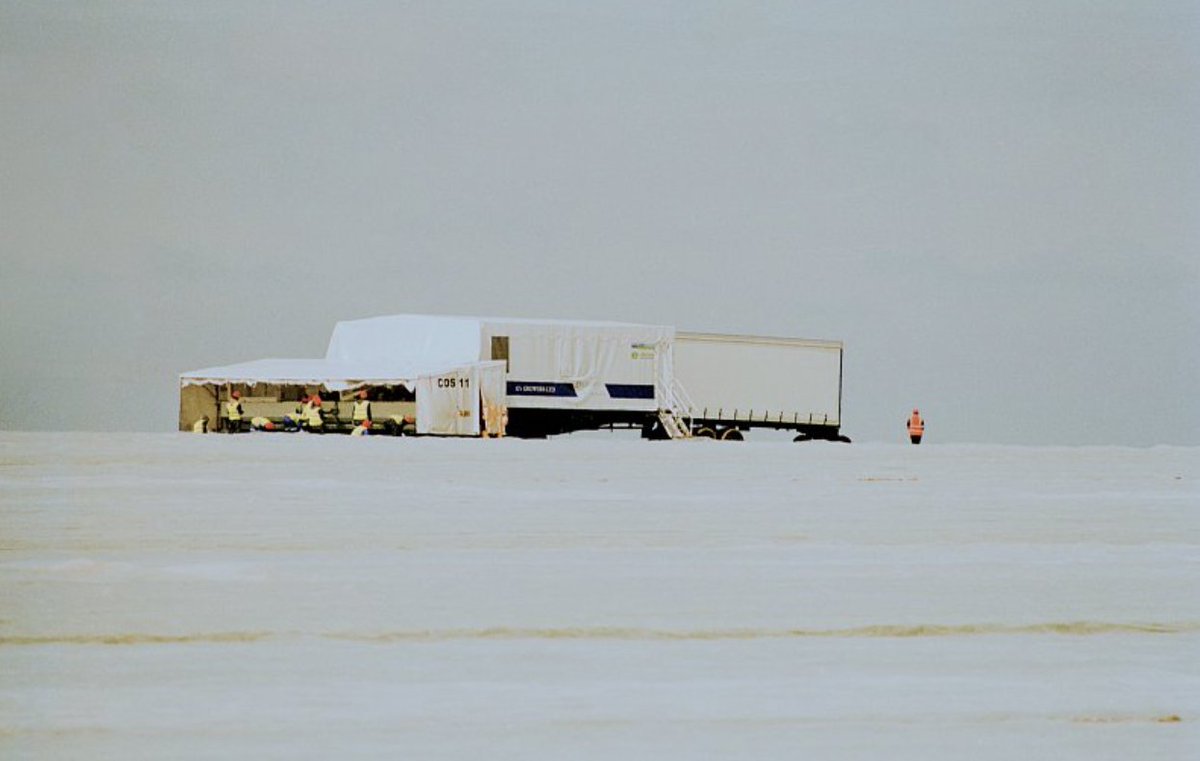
x,y
333,374
403,347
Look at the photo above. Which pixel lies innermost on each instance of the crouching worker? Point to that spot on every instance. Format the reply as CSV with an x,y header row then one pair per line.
x,y
294,420
233,413
261,424
313,420
399,425
362,429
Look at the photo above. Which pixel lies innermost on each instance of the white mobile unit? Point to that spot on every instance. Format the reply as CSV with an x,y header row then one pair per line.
x,y
739,382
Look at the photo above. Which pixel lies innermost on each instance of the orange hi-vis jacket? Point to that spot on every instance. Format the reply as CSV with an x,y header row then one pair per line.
x,y
916,426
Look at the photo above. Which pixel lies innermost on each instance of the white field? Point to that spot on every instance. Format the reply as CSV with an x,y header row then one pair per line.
x,y
291,596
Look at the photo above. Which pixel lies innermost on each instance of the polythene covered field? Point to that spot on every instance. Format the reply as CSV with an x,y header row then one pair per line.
x,y
273,596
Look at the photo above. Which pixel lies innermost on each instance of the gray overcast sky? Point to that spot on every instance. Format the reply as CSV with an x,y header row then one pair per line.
x,y
995,205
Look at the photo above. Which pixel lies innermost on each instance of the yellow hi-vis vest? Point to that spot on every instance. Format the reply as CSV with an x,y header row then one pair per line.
x,y
312,415
362,410
233,410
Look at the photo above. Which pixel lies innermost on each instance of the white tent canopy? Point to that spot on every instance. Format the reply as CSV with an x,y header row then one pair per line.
x,y
397,349
407,339
451,399
335,375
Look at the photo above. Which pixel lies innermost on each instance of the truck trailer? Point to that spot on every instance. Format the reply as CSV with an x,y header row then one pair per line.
x,y
733,383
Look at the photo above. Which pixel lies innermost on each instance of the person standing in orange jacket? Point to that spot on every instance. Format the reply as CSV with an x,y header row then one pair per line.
x,y
916,427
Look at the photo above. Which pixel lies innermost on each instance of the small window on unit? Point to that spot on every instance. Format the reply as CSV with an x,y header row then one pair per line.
x,y
500,349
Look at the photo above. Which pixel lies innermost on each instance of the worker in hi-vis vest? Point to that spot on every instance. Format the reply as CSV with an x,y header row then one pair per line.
x,y
362,408
294,420
233,412
313,421
916,427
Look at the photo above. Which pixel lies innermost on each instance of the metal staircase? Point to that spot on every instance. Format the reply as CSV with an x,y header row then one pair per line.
x,y
676,414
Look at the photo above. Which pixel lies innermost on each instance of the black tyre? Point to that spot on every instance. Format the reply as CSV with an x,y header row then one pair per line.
x,y
732,434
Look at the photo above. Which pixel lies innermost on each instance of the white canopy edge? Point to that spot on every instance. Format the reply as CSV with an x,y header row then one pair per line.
x,y
332,374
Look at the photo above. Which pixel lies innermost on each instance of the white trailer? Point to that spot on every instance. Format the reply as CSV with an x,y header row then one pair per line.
x,y
733,383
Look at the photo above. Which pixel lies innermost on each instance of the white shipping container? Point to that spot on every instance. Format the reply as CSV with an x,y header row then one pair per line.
x,y
580,365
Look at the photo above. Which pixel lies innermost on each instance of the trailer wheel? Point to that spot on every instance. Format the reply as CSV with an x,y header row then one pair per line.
x,y
705,433
732,434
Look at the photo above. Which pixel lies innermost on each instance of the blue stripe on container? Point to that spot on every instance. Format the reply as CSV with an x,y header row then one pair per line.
x,y
533,388
630,390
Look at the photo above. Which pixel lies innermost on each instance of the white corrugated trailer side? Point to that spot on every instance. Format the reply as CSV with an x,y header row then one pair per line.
x,y
739,382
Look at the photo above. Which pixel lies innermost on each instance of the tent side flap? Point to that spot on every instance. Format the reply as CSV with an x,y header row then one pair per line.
x,y
452,403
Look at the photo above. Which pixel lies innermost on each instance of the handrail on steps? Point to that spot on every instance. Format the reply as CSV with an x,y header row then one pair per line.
x,y
679,405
